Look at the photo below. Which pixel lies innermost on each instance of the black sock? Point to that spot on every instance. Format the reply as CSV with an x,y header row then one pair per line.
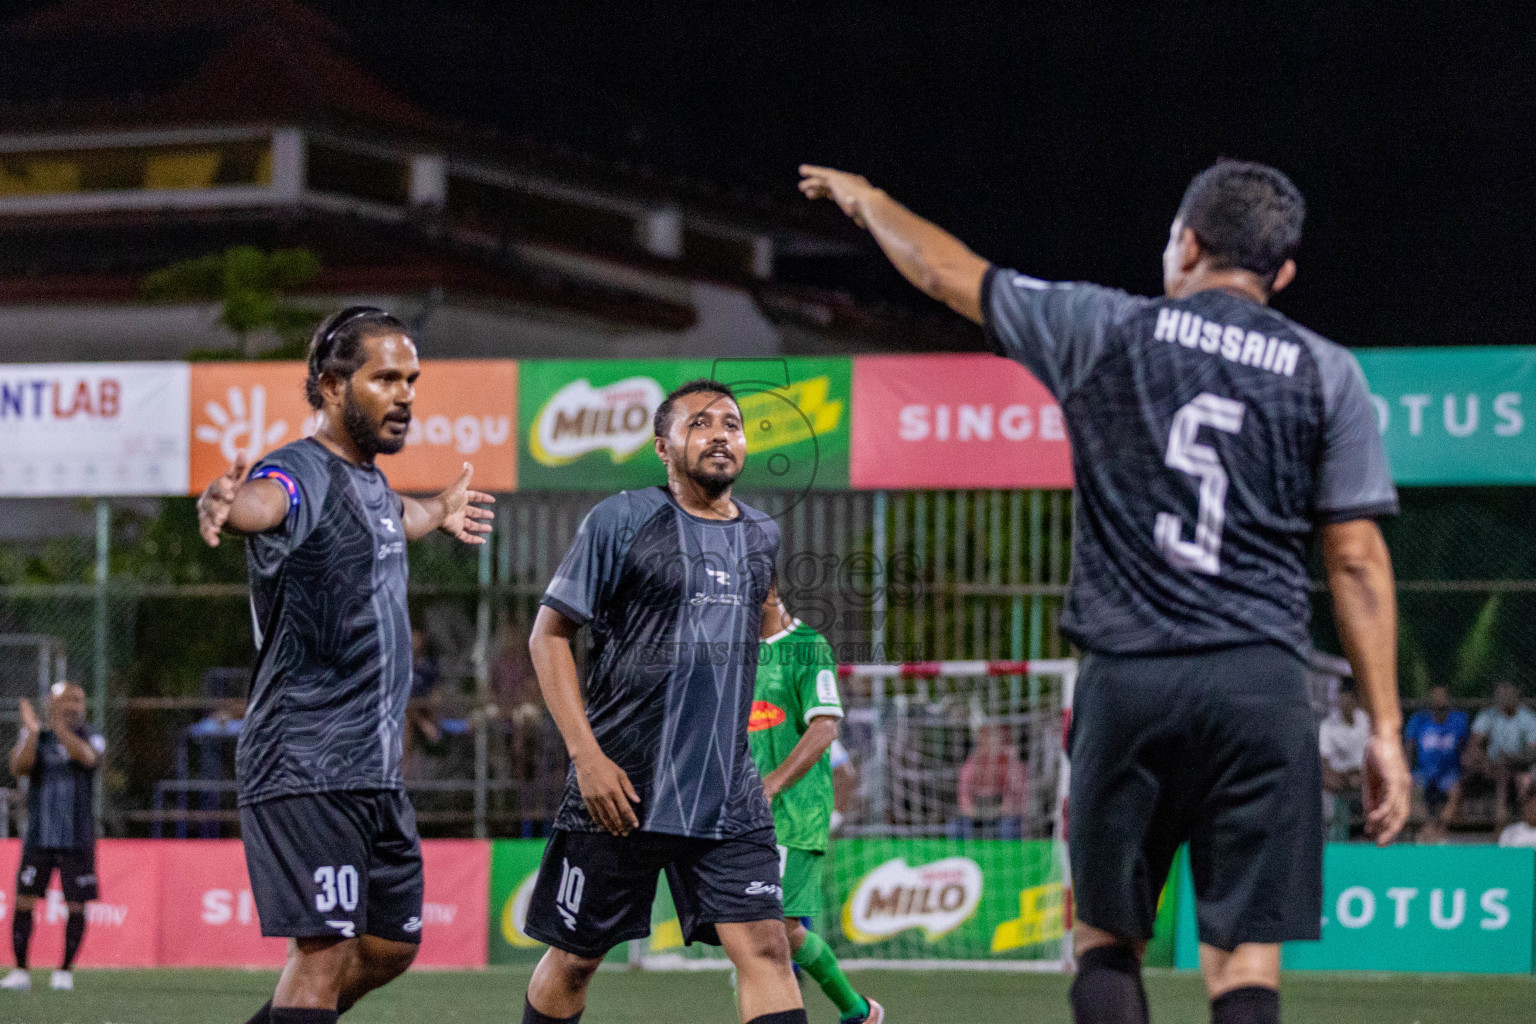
x,y
74,933
532,1016
1251,1005
21,936
295,1015
1108,987
782,1017
263,1015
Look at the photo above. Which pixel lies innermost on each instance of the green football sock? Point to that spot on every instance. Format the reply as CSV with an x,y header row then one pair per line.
x,y
816,957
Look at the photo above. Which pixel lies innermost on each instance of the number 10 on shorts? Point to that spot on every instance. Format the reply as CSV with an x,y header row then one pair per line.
x,y
338,887
568,896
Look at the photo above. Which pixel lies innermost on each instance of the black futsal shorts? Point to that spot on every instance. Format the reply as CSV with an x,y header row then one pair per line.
x,y
342,864
77,872
1217,749
595,889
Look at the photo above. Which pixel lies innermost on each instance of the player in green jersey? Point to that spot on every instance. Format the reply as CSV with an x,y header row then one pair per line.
x,y
795,710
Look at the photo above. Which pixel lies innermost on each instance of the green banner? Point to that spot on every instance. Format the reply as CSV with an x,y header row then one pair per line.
x,y
585,425
514,866
1410,908
944,899
1455,415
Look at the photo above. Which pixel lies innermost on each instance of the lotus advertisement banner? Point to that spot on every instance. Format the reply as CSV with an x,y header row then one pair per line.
x,y
93,429
1410,908
464,412
955,422
586,425
1455,415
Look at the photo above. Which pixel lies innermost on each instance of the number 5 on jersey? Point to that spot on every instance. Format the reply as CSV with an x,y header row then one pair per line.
x,y
1188,455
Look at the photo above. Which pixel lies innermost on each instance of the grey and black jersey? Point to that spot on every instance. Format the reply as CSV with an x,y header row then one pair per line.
x,y
1210,437
59,795
333,633
674,605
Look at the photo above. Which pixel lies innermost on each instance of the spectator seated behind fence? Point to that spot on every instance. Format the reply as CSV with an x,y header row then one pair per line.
x,y
1522,832
223,721
1502,749
1342,739
1435,737
993,789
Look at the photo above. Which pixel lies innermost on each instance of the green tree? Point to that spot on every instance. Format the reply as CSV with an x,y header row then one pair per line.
x,y
249,285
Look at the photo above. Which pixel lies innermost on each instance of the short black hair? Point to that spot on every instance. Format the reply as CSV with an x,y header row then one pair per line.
x,y
660,422
1247,216
337,344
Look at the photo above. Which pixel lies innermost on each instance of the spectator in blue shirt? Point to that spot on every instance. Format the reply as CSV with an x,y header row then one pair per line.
x,y
1435,737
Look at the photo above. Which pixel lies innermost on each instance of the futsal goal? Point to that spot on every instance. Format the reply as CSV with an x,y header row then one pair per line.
x,y
950,846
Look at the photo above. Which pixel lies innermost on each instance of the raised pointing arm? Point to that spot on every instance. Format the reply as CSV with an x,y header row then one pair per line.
x,y
932,259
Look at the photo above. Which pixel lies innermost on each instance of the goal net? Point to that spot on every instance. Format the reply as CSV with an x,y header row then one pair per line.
x,y
949,846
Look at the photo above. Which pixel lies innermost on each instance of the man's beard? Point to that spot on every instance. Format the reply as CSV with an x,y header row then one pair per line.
x,y
712,482
365,431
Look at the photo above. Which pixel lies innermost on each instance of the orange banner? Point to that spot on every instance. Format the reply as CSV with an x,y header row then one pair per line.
x,y
466,411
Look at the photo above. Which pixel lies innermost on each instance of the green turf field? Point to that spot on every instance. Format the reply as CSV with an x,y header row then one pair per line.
x,y
622,997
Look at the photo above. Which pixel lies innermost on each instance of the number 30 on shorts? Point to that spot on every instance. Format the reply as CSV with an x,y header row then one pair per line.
x,y
338,887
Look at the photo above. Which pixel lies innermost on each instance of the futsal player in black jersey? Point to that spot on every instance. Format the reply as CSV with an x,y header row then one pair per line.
x,y
330,837
1212,440
60,760
670,582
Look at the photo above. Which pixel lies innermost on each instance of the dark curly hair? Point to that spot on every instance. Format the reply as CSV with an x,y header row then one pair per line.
x,y
337,345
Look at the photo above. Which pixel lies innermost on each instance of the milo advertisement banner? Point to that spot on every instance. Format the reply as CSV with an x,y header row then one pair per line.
x,y
941,899
585,425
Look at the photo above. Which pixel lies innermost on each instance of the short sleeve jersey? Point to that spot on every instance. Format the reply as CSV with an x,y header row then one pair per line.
x,y
674,604
1436,745
59,798
796,684
1210,437
333,633
1508,735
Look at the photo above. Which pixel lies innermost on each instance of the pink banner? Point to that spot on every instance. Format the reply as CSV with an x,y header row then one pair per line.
x,y
454,915
187,903
121,926
954,422
207,913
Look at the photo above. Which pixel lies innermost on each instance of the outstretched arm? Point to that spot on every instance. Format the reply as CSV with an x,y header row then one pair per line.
x,y
1365,608
233,503
451,511
935,261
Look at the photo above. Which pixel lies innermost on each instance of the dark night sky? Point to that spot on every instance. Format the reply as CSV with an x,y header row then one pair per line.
x,y
1055,137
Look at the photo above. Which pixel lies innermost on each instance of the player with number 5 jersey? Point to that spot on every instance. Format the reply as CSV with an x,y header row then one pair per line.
x,y
1212,440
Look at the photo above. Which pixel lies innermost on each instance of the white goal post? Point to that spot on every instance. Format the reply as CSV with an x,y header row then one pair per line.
x,y
910,882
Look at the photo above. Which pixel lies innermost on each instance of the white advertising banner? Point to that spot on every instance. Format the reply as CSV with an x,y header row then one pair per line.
x,y
86,429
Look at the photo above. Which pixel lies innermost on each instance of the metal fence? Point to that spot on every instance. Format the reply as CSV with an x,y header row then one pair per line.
x,y
140,611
